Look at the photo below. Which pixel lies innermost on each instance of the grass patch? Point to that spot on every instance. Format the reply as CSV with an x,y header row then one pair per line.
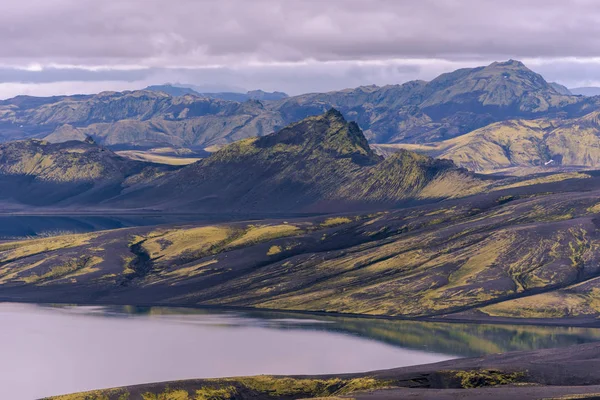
x,y
255,388
273,250
335,221
484,378
71,269
261,233
184,242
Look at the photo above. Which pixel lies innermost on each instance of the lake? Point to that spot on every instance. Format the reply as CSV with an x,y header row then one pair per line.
x,y
50,350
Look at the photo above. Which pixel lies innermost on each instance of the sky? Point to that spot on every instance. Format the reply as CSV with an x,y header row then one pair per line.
x,y
297,46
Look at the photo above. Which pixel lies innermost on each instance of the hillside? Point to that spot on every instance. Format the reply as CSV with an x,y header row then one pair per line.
x,y
526,250
545,144
39,173
450,105
320,163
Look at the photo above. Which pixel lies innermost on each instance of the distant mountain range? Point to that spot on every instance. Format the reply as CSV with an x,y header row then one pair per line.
x,y
176,90
586,91
451,105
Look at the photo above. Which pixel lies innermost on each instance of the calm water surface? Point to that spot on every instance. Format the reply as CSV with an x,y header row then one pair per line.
x,y
50,350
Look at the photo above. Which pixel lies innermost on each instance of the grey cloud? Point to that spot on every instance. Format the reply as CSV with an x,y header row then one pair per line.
x,y
225,32
289,45
73,74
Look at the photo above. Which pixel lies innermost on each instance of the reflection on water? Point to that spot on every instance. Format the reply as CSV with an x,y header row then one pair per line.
x,y
48,350
464,340
54,350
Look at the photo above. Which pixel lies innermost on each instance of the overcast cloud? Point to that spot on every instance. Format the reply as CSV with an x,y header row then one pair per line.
x,y
81,46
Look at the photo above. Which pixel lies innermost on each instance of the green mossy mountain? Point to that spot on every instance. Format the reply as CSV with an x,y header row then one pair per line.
x,y
450,105
321,163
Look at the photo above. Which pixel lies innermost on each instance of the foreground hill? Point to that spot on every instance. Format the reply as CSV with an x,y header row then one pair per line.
x,y
451,105
320,164
525,250
516,144
39,173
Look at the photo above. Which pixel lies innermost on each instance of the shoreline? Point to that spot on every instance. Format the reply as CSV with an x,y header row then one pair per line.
x,y
590,322
540,374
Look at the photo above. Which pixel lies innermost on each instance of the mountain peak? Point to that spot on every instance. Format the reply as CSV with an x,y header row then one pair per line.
x,y
327,133
333,113
510,63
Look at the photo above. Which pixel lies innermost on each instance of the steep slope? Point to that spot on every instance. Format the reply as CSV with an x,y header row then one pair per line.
x,y
492,148
501,88
562,89
320,163
39,173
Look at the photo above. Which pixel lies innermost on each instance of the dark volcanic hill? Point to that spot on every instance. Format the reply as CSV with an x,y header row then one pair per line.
x,y
39,173
321,163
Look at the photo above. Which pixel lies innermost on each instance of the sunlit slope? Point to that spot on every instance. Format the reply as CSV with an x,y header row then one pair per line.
x,y
544,143
490,252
